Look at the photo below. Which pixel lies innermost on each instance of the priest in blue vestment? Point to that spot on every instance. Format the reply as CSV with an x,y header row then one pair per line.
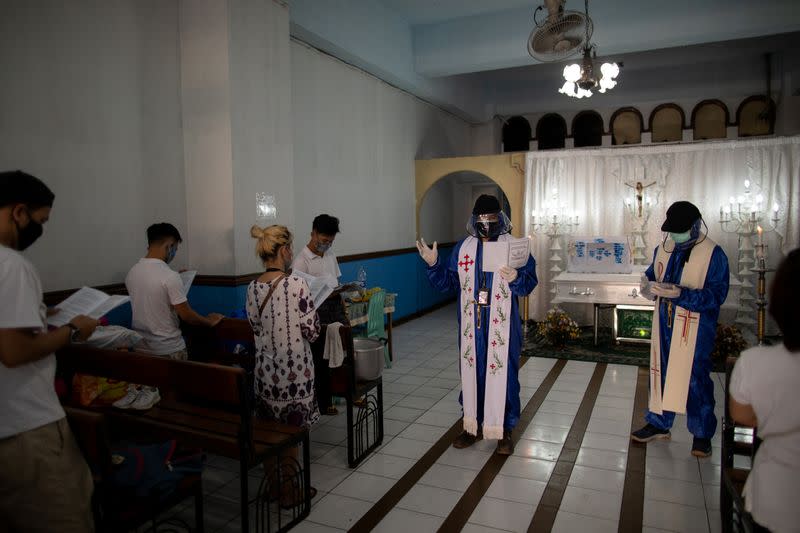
x,y
689,281
490,329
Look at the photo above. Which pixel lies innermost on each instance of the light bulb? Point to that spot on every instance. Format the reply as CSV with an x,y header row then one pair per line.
x,y
746,184
740,199
775,207
732,200
627,201
609,70
533,213
759,199
568,88
555,191
572,72
727,208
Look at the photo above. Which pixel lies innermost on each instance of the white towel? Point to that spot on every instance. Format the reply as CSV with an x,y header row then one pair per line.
x,y
334,352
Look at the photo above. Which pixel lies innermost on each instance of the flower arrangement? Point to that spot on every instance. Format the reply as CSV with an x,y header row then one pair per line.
x,y
728,343
557,327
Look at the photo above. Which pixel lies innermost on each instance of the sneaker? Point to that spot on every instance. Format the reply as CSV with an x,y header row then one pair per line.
x,y
465,440
505,446
147,398
650,432
126,401
701,447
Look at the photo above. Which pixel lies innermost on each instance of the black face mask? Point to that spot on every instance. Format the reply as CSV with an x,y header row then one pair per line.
x,y
488,230
28,234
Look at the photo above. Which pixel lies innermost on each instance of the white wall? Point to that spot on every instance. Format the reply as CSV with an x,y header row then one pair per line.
x,y
436,213
261,120
90,103
355,142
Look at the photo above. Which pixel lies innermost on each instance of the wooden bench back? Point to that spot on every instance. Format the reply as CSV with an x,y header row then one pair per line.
x,y
216,385
215,345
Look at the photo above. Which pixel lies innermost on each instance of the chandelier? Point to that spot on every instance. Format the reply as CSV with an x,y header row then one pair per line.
x,y
581,78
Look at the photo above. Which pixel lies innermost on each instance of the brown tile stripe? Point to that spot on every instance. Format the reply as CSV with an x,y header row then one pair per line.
x,y
632,513
389,500
458,517
545,515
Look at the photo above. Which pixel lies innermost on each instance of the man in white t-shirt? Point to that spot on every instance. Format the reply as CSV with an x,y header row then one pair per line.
x,y
45,484
316,257
763,394
158,297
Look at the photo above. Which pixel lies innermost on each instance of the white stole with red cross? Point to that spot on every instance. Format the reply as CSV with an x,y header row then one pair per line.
x,y
496,352
683,334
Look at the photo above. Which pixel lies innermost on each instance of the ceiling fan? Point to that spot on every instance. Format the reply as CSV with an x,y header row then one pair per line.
x,y
561,35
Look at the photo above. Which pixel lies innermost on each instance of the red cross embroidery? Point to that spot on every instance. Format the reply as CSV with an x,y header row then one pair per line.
x,y
470,336
496,296
492,366
495,321
687,322
655,371
494,343
466,263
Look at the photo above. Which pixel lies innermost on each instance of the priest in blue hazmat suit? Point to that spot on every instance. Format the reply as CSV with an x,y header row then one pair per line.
x,y
688,280
490,330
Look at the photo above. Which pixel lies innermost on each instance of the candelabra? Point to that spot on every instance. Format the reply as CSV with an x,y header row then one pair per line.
x,y
744,215
638,209
555,221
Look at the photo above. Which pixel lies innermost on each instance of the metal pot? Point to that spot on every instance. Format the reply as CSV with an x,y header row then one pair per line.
x,y
369,358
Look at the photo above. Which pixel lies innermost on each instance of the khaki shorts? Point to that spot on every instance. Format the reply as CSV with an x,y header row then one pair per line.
x,y
45,484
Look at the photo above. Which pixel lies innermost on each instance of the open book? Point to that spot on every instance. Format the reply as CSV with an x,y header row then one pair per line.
x,y
320,288
86,301
512,252
187,277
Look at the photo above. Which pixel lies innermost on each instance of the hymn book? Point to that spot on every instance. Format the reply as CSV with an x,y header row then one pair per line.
x,y
86,301
320,287
187,277
511,252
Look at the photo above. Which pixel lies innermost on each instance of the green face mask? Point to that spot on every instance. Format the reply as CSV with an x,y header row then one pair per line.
x,y
681,238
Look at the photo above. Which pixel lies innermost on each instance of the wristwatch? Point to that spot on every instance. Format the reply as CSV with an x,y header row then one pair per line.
x,y
75,333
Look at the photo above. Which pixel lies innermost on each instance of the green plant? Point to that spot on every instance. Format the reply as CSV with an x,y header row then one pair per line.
x,y
557,327
728,343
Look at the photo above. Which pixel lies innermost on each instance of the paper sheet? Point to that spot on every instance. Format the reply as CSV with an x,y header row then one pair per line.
x,y
320,288
187,278
86,301
513,253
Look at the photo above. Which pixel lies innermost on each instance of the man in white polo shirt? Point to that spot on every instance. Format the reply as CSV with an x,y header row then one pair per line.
x,y
45,484
158,297
316,258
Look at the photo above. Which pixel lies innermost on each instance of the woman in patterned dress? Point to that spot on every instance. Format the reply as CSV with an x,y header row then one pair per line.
x,y
284,321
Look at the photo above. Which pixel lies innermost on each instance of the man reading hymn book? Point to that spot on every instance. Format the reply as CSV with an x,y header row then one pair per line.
x,y
490,331
689,281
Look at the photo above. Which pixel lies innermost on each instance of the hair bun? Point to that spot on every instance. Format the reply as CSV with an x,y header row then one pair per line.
x,y
257,232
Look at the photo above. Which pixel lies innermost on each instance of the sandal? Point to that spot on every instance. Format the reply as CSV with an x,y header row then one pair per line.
x,y
288,503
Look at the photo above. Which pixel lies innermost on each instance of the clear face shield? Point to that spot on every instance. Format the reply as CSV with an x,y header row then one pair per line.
x,y
489,226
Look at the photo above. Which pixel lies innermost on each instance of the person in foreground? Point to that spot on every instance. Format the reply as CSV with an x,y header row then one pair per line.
x,y
45,483
763,394
284,321
490,332
688,280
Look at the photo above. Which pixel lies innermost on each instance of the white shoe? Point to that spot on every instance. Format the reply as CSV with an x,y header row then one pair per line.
x,y
126,401
146,399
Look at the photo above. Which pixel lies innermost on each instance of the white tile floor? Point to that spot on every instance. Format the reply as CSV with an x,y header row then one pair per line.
x,y
421,402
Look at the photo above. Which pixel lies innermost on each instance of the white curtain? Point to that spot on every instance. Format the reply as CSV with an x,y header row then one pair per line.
x,y
592,182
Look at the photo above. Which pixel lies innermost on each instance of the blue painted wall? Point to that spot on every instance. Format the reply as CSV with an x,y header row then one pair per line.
x,y
402,274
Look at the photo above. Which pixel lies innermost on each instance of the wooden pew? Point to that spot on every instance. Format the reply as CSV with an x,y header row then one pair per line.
x,y
205,405
112,512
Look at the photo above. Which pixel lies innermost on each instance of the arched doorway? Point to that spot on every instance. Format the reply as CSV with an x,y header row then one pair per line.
x,y
447,205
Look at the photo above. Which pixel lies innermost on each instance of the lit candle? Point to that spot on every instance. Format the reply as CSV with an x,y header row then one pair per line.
x,y
760,236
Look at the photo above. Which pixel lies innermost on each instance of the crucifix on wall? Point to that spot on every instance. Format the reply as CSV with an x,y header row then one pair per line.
x,y
638,189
